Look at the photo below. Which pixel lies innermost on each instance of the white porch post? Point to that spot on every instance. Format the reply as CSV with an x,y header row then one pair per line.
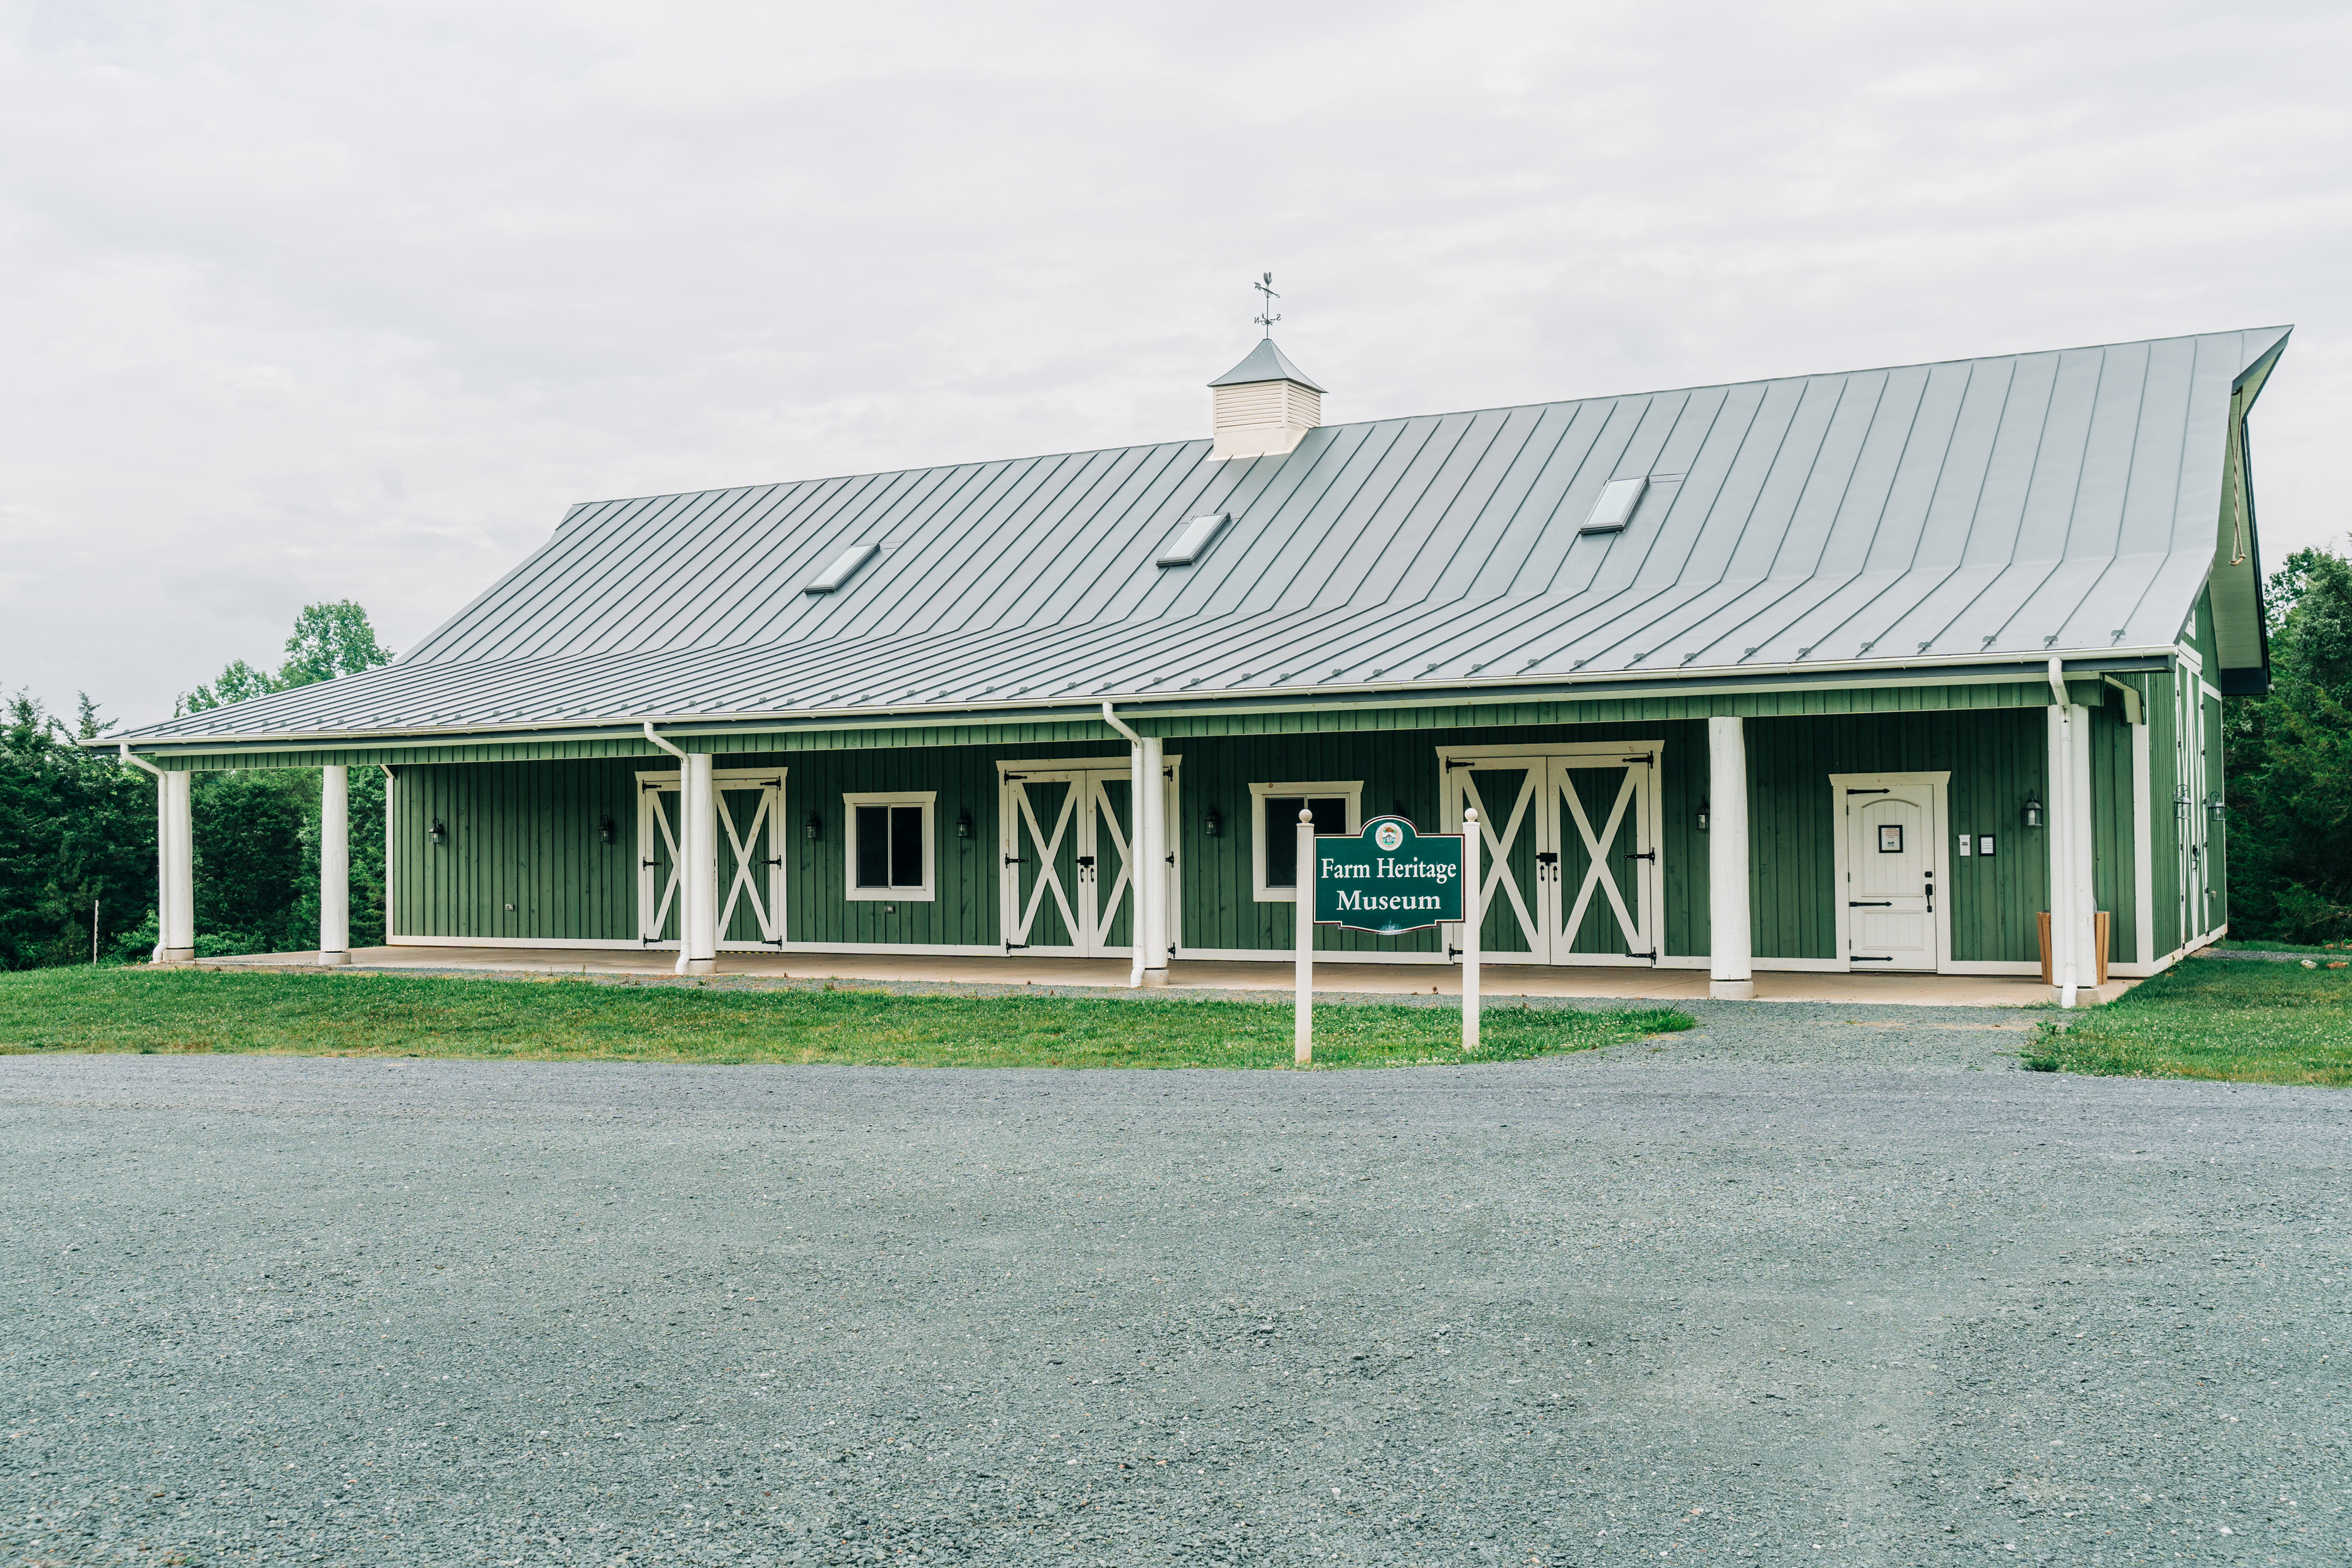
x,y
698,948
1150,813
334,864
2143,841
2071,958
1731,963
2082,840
176,895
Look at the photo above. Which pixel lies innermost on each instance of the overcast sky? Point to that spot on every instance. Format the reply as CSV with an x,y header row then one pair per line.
x,y
307,302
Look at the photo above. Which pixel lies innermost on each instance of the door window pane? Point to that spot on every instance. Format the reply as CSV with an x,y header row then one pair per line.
x,y
873,846
1281,829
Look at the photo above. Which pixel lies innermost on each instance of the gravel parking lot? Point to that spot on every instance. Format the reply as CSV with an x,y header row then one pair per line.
x,y
1809,1284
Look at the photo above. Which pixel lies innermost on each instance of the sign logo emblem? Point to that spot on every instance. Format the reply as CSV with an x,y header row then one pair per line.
x,y
1389,836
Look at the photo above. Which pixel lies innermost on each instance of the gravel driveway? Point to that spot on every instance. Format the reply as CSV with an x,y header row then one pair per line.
x,y
1810,1284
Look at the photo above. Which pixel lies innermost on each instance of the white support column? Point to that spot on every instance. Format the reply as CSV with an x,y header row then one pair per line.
x,y
175,898
1150,921
1731,946
2061,771
1138,946
2082,840
334,864
2143,841
698,948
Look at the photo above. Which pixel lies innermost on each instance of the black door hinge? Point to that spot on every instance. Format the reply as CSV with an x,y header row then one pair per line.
x,y
1647,855
1869,903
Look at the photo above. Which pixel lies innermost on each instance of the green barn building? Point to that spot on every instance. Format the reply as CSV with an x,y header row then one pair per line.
x,y
1871,671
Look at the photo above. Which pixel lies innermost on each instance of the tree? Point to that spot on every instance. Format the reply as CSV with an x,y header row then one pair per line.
x,y
329,640
2289,777
78,828
77,840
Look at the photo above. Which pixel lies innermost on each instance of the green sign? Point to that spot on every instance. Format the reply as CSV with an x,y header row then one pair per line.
x,y
1387,878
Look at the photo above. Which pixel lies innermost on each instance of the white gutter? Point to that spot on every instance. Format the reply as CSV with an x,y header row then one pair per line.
x,y
136,761
1136,785
2057,682
674,752
1602,685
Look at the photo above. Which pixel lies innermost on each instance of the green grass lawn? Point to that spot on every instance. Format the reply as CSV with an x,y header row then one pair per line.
x,y
2214,1018
577,1020
2324,950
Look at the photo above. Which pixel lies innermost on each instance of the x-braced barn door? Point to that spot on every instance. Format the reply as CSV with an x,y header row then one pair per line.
x,y
1068,877
1569,846
751,816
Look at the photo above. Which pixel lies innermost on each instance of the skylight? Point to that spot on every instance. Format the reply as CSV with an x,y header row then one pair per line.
x,y
845,566
1614,508
1187,546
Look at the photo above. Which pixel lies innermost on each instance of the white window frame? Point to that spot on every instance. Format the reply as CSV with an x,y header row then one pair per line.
x,y
1349,790
924,894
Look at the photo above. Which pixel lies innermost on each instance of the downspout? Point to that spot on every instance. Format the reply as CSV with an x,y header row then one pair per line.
x,y
1135,788
163,852
674,752
2061,825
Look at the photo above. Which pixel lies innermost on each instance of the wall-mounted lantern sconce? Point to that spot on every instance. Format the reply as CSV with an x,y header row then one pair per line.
x,y
2217,807
1702,814
437,833
813,829
2033,811
963,823
1212,824
607,832
2181,805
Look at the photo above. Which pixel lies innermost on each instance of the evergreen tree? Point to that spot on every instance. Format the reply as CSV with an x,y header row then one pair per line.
x,y
78,828
2289,775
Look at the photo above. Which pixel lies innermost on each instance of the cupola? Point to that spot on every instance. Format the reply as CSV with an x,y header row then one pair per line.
x,y
1264,405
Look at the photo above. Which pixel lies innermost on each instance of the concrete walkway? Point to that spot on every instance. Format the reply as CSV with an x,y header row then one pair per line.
x,y
1373,979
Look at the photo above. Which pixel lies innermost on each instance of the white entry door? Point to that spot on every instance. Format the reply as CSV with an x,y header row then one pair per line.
x,y
1891,840
751,811
1569,846
1068,877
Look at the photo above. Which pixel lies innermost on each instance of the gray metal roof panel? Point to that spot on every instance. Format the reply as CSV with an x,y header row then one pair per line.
x,y
2063,503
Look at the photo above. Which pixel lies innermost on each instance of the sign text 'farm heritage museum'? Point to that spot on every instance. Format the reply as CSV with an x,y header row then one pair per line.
x,y
1867,671
1388,878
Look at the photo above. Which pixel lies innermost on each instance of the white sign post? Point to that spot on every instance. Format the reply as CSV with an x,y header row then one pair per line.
x,y
1303,1031
1470,889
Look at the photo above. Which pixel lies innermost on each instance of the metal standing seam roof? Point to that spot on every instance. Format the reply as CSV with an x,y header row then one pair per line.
x,y
2070,503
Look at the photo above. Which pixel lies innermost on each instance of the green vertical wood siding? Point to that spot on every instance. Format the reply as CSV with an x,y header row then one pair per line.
x,y
1996,759
523,855
2112,827
527,834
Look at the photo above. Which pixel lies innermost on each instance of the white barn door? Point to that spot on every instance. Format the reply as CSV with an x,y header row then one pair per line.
x,y
750,840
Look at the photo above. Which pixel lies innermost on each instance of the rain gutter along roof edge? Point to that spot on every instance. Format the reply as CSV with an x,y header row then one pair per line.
x,y
1990,670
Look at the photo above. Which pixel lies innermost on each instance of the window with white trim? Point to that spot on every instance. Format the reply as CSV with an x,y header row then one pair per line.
x,y
889,845
1274,830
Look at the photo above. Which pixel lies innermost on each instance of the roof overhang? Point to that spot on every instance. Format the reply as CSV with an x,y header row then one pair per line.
x,y
1150,705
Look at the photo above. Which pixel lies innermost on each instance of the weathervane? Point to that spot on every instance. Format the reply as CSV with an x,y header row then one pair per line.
x,y
1269,318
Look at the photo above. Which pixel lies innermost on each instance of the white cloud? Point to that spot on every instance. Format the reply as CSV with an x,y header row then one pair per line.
x,y
312,302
